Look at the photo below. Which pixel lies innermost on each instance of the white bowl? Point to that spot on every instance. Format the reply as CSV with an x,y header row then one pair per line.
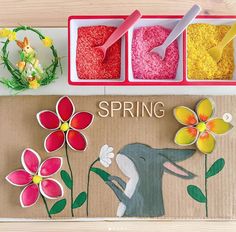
x,y
167,23
74,24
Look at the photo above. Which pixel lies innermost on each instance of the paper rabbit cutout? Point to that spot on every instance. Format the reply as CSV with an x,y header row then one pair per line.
x,y
29,62
144,166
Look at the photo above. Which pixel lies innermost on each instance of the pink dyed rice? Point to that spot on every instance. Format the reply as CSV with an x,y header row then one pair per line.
x,y
147,65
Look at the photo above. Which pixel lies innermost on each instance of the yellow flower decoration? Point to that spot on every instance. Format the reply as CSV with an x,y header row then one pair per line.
x,y
200,127
34,84
47,41
4,33
12,36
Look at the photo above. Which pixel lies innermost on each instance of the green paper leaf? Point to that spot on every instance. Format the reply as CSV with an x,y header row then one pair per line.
x,y
67,179
196,193
22,56
103,174
58,207
215,168
79,200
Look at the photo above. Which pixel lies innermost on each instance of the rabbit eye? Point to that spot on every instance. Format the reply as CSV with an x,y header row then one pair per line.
x,y
142,158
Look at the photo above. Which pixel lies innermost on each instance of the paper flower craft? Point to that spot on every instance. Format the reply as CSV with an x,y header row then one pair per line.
x,y
35,177
106,155
27,73
65,125
200,127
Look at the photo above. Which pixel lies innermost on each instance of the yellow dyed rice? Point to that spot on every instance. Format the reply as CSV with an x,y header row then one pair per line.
x,y
201,66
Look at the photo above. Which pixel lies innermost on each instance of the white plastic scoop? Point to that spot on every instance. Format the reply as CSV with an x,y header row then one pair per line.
x,y
178,29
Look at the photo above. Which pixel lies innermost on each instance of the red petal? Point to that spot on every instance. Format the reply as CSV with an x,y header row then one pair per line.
x,y
50,166
48,120
30,160
65,108
76,140
54,141
81,120
29,195
19,177
51,188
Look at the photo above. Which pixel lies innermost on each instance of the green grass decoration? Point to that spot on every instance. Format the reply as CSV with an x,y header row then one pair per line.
x,y
18,82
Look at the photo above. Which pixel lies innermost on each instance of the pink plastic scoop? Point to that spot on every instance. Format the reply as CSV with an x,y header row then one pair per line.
x,y
120,31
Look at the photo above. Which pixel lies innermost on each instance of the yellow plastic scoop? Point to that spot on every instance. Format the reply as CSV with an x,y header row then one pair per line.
x,y
216,52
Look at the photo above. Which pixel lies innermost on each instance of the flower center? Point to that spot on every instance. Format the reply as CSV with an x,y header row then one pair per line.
x,y
201,126
65,126
37,179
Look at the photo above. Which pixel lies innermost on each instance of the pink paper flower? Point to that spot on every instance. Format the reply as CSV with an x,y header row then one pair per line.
x,y
65,125
35,178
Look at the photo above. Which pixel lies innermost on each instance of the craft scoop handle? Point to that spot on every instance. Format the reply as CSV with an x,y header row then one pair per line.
x,y
182,24
122,29
228,36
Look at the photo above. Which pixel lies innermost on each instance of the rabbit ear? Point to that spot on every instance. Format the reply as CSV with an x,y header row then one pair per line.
x,y
177,170
20,44
26,41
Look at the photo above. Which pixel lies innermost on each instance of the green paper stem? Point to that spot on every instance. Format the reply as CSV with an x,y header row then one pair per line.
x,y
88,180
71,176
206,192
195,192
46,206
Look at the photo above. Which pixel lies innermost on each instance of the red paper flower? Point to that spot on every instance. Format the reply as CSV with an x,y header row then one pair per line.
x,y
35,178
66,126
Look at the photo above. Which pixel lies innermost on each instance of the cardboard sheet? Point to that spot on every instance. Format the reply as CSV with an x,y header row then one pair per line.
x,y
156,128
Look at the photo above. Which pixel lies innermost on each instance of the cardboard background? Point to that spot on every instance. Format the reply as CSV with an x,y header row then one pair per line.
x,y
20,129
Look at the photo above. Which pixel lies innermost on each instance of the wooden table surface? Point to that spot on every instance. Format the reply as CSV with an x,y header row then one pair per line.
x,y
54,13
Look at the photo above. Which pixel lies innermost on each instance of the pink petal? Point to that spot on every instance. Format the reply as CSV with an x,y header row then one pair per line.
x,y
81,120
19,177
48,120
50,166
30,160
76,140
65,108
29,195
54,141
51,188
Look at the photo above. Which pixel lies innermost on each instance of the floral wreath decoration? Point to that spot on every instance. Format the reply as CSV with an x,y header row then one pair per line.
x,y
27,73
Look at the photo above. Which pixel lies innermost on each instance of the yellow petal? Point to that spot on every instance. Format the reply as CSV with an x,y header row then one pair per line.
x,y
186,136
205,109
4,33
12,36
47,41
34,84
206,143
185,116
218,126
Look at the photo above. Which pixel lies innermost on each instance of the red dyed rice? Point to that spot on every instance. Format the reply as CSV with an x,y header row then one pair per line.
x,y
89,59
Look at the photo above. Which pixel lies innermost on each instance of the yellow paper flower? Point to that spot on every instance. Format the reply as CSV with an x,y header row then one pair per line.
x,y
4,33
47,41
12,36
200,127
34,84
